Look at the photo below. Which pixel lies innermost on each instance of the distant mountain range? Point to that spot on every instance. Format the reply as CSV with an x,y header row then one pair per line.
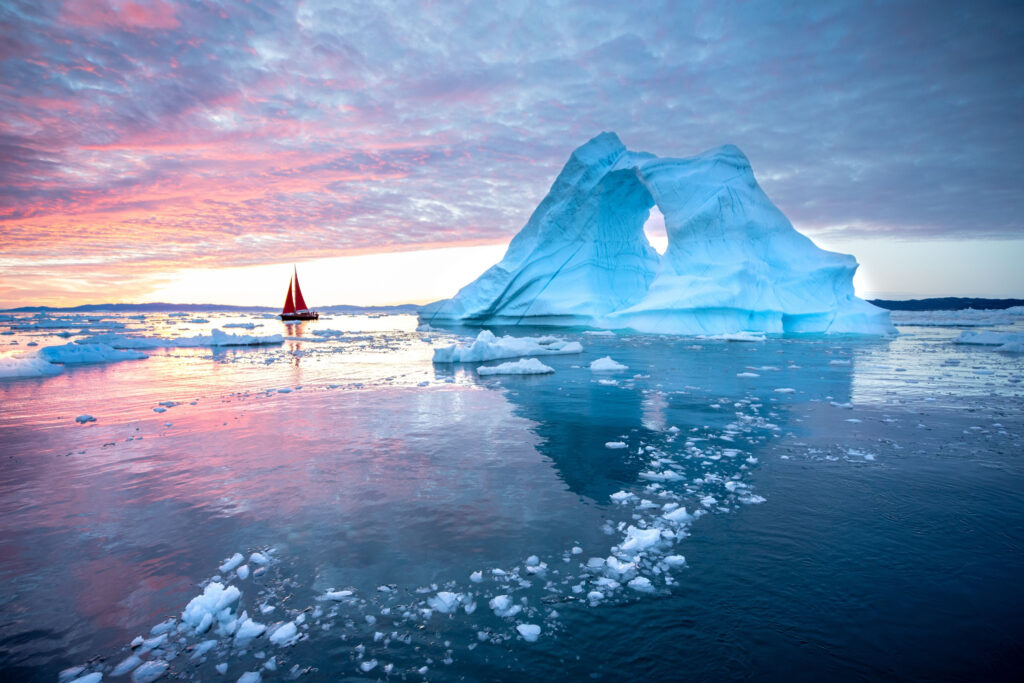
x,y
949,303
208,308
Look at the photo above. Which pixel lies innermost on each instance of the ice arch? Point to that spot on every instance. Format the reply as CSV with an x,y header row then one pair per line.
x,y
733,262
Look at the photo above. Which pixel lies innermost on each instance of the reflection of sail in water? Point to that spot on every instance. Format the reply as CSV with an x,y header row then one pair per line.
x,y
691,403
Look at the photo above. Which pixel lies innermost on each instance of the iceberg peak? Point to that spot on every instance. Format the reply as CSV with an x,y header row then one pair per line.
x,y
734,262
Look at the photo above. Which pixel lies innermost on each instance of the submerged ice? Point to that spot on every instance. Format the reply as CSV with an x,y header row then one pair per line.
x,y
734,262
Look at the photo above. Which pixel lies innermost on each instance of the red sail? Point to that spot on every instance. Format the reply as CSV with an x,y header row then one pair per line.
x,y
289,305
300,303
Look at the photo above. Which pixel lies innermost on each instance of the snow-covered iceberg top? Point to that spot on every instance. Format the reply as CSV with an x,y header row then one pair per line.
x,y
487,347
734,262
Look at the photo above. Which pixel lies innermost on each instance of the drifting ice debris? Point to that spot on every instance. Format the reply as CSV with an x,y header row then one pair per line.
x,y
606,364
82,419
285,634
27,366
488,347
79,354
503,606
150,671
529,632
524,366
734,262
233,562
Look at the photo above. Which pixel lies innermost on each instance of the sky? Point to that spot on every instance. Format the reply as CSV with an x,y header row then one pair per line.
x,y
196,150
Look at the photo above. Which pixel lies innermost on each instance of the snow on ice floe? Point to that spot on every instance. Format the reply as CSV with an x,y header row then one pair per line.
x,y
487,347
524,366
606,364
1003,341
72,354
734,261
16,367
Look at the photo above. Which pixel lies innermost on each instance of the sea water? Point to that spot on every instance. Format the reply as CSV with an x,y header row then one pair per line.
x,y
854,507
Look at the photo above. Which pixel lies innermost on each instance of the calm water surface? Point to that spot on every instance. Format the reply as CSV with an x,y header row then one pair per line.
x,y
889,543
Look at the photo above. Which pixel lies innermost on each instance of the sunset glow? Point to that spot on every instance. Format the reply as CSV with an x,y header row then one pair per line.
x,y
147,143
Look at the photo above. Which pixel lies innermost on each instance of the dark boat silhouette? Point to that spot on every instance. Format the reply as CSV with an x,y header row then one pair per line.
x,y
295,306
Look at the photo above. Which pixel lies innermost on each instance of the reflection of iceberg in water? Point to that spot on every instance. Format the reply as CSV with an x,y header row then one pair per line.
x,y
680,387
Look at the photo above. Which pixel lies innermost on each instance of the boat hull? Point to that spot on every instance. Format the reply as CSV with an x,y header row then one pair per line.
x,y
299,316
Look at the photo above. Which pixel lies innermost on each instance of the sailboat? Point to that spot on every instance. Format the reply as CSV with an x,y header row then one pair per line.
x,y
295,306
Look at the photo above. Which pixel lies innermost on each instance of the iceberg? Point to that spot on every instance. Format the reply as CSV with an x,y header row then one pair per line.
x,y
734,262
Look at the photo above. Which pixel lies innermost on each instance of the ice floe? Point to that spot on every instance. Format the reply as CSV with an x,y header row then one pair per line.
x,y
72,354
524,366
606,364
487,347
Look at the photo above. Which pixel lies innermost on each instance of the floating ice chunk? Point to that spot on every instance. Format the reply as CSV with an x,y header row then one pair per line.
x,y
82,419
1010,340
747,374
126,665
16,367
606,364
202,648
286,634
675,560
67,674
94,677
258,558
222,668
488,347
213,606
529,632
743,336
503,606
249,629
74,354
232,562
785,390
621,497
638,540
615,444
679,516
243,572
525,366
336,595
159,409
368,665
445,602
641,584
476,577
250,677
150,671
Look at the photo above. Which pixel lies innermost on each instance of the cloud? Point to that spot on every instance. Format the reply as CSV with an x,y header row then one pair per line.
x,y
253,132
